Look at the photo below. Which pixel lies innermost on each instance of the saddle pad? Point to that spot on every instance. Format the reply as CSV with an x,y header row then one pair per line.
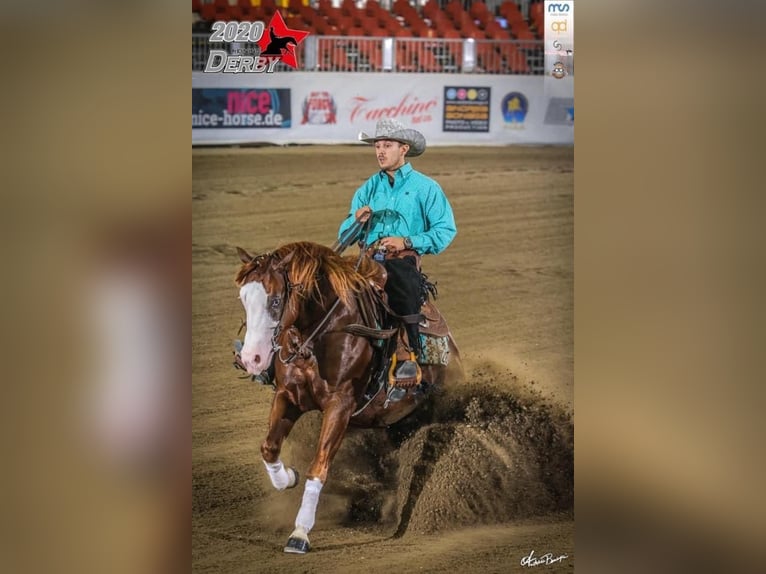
x,y
433,350
433,322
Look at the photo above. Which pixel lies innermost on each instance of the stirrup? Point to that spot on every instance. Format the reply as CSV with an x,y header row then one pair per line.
x,y
407,370
405,374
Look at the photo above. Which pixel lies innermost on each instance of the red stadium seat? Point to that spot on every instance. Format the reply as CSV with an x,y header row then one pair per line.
x,y
293,6
333,16
450,33
308,14
344,23
234,13
424,31
510,11
320,25
454,8
207,12
296,23
498,34
524,34
479,10
431,9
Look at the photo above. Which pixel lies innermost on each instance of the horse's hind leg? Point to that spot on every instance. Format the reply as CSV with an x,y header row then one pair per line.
x,y
334,425
281,420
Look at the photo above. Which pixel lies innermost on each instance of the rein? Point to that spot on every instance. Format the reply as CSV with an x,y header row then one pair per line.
x,y
302,349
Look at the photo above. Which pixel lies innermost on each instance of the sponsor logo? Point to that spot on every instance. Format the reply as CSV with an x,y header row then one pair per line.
x,y
559,26
466,109
558,71
245,108
416,110
275,44
319,108
560,112
515,106
556,8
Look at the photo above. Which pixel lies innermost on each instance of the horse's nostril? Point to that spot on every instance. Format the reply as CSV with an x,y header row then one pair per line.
x,y
257,359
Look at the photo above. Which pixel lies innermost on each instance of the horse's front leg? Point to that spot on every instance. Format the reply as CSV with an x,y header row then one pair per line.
x,y
334,424
281,420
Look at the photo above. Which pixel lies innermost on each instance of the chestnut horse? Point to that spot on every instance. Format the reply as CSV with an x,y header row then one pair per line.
x,y
314,309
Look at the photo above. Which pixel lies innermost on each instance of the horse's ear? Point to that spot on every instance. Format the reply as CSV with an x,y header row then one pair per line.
x,y
282,263
244,256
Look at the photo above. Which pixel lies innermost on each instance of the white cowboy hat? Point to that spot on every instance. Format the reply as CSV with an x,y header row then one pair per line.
x,y
389,129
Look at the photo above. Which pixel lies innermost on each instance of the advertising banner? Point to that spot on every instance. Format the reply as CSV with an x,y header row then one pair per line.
x,y
332,108
240,108
466,109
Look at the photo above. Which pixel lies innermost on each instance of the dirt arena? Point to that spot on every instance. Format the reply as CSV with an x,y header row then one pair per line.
x,y
491,478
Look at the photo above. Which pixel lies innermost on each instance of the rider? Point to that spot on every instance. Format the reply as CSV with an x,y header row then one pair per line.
x,y
411,216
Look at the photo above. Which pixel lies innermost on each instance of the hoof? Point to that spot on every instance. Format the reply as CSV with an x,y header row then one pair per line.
x,y
294,479
298,543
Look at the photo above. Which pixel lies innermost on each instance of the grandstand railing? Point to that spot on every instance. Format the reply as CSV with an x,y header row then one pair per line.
x,y
415,55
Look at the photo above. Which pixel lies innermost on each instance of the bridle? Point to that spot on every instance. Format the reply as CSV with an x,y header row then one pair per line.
x,y
339,246
285,296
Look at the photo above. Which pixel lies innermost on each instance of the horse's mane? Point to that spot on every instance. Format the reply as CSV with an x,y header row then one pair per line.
x,y
305,261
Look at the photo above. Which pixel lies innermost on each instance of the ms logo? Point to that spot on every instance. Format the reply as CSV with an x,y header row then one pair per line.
x,y
555,8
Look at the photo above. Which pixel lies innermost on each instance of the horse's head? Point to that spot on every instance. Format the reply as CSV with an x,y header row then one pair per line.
x,y
262,290
300,279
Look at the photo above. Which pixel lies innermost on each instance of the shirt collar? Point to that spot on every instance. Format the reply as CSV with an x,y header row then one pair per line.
x,y
403,171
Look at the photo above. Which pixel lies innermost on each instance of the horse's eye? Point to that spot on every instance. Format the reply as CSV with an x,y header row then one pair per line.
x,y
275,302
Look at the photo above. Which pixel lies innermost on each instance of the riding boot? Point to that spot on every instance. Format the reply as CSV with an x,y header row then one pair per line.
x,y
410,369
266,376
413,336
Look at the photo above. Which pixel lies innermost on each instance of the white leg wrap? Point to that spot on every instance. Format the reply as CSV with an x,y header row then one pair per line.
x,y
278,474
306,514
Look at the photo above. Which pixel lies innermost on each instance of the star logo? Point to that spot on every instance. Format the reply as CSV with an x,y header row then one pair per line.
x,y
280,41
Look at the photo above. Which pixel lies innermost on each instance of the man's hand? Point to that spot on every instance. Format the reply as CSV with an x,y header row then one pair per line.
x,y
363,213
393,244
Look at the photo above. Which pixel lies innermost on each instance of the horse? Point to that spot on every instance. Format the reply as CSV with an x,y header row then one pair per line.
x,y
319,312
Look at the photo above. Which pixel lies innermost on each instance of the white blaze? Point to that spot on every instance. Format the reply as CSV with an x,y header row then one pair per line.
x,y
256,351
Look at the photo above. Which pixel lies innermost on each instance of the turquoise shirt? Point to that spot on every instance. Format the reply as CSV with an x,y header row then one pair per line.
x,y
414,207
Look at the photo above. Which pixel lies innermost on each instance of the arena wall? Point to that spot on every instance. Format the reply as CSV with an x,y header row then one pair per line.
x,y
332,108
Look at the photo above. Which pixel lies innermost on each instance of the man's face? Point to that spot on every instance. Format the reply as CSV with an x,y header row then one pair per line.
x,y
390,154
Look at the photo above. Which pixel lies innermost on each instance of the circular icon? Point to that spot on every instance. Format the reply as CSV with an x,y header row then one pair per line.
x,y
461,94
514,107
558,71
472,94
483,94
451,93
